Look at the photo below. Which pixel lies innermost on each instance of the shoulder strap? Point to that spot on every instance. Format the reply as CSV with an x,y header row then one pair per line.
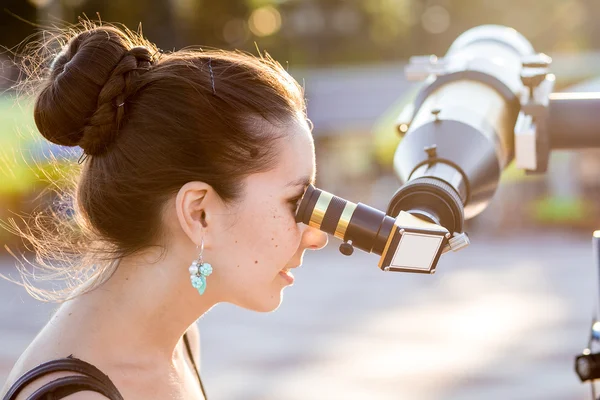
x,y
93,380
189,351
63,387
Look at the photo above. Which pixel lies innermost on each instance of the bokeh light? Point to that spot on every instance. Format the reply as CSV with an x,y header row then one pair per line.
x,y
435,19
265,21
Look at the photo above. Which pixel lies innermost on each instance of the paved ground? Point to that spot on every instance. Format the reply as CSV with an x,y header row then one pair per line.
x,y
500,320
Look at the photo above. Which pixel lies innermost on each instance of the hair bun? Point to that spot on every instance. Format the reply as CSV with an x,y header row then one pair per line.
x,y
78,105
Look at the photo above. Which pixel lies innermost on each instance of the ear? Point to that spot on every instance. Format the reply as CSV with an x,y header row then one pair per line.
x,y
195,205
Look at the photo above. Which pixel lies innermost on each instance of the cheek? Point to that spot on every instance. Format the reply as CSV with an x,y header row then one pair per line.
x,y
279,238
267,239
284,234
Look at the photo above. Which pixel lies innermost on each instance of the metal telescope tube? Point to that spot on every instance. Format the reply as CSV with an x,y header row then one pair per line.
x,y
461,133
573,120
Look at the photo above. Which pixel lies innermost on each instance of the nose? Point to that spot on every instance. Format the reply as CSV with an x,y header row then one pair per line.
x,y
314,239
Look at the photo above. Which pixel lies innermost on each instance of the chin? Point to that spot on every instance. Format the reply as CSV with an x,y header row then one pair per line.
x,y
266,303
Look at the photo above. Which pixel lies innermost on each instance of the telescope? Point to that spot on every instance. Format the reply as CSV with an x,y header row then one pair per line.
x,y
487,102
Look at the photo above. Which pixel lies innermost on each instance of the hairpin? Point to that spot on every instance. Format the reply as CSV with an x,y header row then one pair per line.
x,y
212,77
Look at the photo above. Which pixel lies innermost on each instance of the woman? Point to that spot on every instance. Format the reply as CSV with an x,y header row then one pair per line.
x,y
193,165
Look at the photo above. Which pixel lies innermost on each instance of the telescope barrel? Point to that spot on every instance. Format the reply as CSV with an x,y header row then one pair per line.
x,y
460,136
573,120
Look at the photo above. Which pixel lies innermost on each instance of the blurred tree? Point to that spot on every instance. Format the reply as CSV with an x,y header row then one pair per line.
x,y
324,32
158,22
203,22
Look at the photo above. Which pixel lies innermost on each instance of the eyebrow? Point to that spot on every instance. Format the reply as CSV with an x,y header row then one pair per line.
x,y
304,182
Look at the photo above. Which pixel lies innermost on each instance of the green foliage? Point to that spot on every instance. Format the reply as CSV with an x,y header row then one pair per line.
x,y
14,124
20,171
561,210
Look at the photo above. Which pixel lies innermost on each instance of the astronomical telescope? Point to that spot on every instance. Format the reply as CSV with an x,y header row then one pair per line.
x,y
487,102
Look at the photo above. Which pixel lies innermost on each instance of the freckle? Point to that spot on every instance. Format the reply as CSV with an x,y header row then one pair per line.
x,y
236,241
276,245
272,238
255,262
238,266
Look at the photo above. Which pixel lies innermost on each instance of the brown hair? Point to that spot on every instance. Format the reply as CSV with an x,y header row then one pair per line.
x,y
148,123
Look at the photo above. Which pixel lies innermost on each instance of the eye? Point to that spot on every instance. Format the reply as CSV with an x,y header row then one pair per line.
x,y
295,203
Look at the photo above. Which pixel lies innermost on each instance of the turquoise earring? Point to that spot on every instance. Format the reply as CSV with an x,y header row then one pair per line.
x,y
199,271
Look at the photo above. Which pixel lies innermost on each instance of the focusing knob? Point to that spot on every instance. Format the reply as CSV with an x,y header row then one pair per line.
x,y
532,77
583,368
346,249
458,241
539,60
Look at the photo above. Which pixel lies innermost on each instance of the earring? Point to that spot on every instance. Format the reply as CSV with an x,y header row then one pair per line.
x,y
199,271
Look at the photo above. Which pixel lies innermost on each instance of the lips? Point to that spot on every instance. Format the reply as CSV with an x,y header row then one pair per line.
x,y
287,274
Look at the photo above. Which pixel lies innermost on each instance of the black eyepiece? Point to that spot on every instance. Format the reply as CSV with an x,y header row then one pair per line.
x,y
366,227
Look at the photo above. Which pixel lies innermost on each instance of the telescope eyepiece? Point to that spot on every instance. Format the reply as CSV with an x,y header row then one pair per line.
x,y
366,227
408,241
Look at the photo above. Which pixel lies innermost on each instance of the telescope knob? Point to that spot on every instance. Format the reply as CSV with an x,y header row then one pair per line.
x,y
458,241
431,151
532,77
583,367
539,60
346,249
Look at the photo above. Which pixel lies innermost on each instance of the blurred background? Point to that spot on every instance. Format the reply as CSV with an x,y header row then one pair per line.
x,y
502,319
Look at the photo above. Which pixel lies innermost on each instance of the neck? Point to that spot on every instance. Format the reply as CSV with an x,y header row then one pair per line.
x,y
143,310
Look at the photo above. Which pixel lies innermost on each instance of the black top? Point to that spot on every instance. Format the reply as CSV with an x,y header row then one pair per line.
x,y
92,379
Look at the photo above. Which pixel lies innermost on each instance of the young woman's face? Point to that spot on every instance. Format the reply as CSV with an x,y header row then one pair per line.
x,y
258,243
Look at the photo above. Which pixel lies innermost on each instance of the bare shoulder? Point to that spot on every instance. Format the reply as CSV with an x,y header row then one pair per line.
x,y
31,358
